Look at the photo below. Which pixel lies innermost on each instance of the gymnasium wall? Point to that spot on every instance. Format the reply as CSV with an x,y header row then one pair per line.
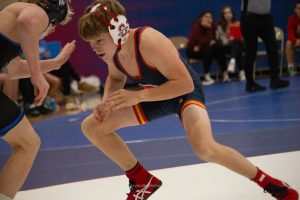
x,y
171,17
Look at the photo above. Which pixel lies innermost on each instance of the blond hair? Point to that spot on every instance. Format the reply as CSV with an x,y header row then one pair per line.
x,y
90,25
43,3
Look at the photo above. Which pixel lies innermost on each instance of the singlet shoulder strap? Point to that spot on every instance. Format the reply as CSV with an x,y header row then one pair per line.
x,y
137,37
139,56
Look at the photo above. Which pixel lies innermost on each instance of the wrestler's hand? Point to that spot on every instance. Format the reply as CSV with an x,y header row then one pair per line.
x,y
65,53
100,112
41,88
121,99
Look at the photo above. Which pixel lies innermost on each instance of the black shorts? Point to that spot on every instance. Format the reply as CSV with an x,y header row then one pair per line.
x,y
148,111
10,114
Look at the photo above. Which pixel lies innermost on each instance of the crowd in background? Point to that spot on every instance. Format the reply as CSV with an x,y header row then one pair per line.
x,y
65,84
233,44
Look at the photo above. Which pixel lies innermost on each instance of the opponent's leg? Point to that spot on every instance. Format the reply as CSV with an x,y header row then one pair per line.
x,y
25,144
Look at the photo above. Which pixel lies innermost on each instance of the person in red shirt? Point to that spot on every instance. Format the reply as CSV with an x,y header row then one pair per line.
x,y
202,45
293,40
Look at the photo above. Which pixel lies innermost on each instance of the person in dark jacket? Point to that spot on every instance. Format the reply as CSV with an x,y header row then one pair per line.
x,y
202,45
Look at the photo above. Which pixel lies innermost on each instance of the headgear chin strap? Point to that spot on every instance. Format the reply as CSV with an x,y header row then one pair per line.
x,y
118,26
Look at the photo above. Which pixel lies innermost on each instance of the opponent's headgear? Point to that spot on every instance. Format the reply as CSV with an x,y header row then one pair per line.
x,y
118,26
57,11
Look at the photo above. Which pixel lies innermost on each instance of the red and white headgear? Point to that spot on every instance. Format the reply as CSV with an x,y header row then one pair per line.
x,y
118,26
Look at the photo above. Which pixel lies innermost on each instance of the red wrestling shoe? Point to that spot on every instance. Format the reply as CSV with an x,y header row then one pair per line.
x,y
142,191
281,191
142,184
277,188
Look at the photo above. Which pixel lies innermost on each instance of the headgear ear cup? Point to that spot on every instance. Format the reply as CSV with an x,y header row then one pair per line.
x,y
120,31
118,26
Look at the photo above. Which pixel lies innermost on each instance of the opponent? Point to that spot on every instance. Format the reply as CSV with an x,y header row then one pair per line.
x,y
169,85
22,24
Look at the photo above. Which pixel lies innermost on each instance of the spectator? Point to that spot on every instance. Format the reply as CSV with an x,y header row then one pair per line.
x,y
256,21
229,34
202,45
293,40
67,74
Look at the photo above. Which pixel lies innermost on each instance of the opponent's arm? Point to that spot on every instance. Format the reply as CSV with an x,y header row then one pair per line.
x,y
18,68
30,23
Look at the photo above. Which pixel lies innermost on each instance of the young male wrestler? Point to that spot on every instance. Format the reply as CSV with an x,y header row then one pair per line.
x,y
168,85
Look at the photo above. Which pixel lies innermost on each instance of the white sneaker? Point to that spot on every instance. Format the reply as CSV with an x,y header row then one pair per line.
x,y
226,77
204,82
231,65
208,80
292,71
242,76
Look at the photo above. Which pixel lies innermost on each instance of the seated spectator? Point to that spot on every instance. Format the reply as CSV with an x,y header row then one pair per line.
x,y
293,40
67,74
202,45
230,36
60,81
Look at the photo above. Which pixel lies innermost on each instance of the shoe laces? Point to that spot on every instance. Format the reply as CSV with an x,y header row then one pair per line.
x,y
276,190
131,186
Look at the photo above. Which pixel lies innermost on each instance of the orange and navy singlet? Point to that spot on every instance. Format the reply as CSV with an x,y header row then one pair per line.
x,y
149,77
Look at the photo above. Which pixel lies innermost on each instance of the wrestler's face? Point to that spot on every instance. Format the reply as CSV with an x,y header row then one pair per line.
x,y
103,46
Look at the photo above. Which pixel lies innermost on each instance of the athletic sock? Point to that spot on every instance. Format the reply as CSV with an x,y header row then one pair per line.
x,y
138,174
263,179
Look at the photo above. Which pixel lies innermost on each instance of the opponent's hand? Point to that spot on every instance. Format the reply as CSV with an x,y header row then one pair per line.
x,y
121,99
41,88
100,113
65,53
